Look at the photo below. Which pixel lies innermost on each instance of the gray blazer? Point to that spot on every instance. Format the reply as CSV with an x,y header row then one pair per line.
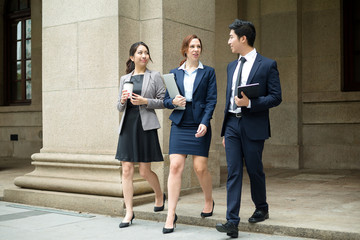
x,y
153,89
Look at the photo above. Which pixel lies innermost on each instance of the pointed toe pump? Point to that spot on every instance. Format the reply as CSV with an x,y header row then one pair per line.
x,y
204,215
126,224
170,230
158,209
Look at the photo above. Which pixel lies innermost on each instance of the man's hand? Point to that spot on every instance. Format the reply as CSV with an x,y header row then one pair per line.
x,y
242,102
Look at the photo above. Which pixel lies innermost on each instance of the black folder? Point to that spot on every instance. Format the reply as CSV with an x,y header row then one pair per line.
x,y
250,90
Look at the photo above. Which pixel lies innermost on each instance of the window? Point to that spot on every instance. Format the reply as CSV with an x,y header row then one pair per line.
x,y
18,52
351,31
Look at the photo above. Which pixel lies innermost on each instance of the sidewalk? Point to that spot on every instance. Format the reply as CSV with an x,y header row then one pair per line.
x,y
21,222
302,203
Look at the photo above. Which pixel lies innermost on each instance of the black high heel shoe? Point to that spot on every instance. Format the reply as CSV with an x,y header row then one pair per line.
x,y
204,215
158,209
170,230
126,224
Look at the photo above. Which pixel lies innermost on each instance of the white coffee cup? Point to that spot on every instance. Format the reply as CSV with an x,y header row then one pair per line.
x,y
128,86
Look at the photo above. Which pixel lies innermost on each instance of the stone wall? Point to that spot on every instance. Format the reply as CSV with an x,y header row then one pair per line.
x,y
24,121
331,117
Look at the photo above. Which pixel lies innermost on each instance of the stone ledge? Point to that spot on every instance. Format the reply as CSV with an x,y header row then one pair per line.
x,y
113,206
255,228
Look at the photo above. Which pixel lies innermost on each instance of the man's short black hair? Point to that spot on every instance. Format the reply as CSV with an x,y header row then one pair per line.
x,y
246,28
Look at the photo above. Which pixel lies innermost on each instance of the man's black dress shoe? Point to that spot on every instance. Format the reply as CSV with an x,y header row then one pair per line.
x,y
204,215
126,224
259,216
158,209
229,228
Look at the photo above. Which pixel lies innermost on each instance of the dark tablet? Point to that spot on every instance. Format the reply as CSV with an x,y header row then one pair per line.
x,y
250,90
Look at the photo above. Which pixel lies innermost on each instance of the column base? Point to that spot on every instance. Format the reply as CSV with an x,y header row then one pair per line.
x,y
84,203
79,173
113,206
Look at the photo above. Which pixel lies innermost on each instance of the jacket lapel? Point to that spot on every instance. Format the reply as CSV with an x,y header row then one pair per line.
x,y
128,77
180,81
230,75
254,68
198,78
146,82
230,79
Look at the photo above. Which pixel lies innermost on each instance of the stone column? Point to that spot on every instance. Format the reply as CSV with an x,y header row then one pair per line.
x,y
279,39
81,70
226,13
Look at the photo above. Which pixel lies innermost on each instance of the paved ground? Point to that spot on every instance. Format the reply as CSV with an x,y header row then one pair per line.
x,y
21,222
303,203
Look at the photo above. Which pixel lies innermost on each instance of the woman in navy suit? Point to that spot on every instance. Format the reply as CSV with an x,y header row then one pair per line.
x,y
190,129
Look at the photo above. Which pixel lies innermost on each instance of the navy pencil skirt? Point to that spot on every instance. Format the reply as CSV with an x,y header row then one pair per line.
x,y
182,136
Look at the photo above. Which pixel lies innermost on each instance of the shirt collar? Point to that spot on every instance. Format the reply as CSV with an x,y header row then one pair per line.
x,y
182,67
249,56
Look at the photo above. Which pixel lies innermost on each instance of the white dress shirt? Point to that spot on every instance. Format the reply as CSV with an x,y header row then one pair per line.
x,y
250,59
189,79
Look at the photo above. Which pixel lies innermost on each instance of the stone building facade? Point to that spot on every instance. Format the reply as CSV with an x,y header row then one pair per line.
x,y
79,50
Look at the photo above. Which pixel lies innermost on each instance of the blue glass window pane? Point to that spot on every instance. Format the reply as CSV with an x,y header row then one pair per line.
x,y
18,71
28,28
18,31
28,90
18,51
28,69
28,48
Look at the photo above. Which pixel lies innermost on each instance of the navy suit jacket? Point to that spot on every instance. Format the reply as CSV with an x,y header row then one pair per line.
x,y
203,99
256,119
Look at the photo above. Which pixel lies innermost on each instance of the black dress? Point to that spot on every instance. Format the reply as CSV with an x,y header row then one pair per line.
x,y
135,144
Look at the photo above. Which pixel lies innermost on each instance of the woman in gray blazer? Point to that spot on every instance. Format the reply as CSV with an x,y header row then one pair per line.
x,y
138,139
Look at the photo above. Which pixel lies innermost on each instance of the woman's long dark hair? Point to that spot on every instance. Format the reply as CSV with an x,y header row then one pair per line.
x,y
185,46
130,65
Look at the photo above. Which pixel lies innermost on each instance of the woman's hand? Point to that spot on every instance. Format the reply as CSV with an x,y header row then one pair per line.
x,y
179,101
124,96
202,129
138,100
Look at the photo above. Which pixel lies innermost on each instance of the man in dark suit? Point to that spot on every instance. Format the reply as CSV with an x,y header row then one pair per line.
x,y
246,123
